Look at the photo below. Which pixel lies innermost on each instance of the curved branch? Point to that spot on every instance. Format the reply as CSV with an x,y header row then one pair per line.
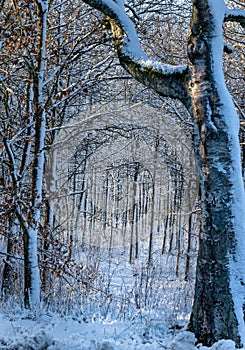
x,y
235,16
167,80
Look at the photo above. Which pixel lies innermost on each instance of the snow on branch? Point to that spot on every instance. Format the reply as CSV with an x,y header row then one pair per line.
x,y
237,15
167,80
130,43
116,12
42,5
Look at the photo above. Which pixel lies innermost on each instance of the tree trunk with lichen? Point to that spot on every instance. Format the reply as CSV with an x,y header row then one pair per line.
x,y
215,306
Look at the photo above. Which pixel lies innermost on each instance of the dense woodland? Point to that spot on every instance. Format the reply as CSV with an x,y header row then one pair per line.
x,y
104,174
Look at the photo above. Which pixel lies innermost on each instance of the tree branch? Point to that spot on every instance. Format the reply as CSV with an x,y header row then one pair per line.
x,y
11,256
167,80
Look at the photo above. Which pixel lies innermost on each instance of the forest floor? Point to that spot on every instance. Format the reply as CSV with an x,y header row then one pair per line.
x,y
52,332
129,307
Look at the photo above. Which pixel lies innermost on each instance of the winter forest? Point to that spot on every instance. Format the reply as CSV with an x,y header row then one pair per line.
x,y
122,205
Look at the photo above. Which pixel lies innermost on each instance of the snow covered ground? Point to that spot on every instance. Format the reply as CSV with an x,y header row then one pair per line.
x,y
23,331
125,308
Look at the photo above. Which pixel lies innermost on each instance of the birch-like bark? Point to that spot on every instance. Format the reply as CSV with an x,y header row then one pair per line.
x,y
32,274
165,79
219,302
220,282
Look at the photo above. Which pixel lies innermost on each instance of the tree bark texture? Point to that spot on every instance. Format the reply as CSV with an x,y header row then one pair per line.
x,y
215,314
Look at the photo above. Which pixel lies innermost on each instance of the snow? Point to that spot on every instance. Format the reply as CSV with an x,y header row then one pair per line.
x,y
98,323
52,332
131,45
33,261
46,330
118,11
160,67
236,257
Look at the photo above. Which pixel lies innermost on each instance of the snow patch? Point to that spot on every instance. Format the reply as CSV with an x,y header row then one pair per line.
x,y
52,332
184,340
39,341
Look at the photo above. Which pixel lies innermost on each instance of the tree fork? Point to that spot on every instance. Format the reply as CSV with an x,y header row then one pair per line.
x,y
219,302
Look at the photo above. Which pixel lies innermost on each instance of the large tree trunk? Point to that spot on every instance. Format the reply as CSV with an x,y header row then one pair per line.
x,y
220,281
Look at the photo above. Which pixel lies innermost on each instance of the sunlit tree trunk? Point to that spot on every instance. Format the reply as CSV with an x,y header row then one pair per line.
x,y
219,297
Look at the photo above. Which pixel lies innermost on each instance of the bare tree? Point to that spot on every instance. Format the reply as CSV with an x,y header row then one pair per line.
x,y
218,310
42,85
